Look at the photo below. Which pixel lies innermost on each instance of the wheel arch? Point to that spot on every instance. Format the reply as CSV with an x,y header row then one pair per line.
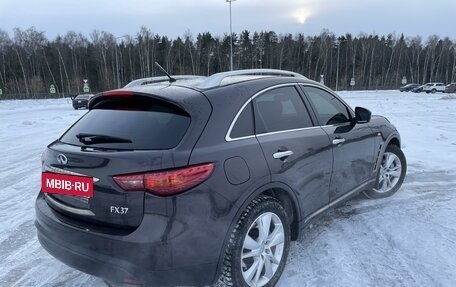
x,y
284,194
290,205
393,139
280,191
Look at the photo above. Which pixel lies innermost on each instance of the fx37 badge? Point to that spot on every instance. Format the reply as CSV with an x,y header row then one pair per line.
x,y
119,210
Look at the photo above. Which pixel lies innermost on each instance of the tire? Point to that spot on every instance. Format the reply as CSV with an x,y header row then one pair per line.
x,y
433,91
391,173
240,272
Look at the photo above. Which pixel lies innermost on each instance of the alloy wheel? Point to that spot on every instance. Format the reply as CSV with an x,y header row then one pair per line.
x,y
390,172
262,250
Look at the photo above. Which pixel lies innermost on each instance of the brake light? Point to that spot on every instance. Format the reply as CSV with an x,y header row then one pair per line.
x,y
118,93
168,182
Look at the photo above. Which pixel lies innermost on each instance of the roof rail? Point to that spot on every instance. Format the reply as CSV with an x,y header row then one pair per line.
x,y
216,79
154,80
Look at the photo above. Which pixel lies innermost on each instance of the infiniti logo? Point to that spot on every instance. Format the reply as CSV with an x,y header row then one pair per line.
x,y
62,159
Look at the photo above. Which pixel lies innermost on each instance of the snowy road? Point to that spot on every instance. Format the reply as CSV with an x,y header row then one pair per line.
x,y
405,240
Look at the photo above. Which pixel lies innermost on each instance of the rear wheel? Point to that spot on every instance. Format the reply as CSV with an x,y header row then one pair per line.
x,y
391,173
258,246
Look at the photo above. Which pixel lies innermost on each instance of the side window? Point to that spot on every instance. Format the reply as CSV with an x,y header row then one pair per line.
x,y
279,110
244,124
329,109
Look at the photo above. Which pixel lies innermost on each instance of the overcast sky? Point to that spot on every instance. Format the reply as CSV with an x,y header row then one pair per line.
x,y
174,17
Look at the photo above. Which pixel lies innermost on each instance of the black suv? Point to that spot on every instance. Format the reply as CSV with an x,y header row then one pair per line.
x,y
81,101
409,87
202,180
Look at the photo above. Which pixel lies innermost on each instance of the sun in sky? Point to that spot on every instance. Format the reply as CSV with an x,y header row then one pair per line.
x,y
301,15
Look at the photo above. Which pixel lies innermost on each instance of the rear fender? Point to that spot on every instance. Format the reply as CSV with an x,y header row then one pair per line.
x,y
244,201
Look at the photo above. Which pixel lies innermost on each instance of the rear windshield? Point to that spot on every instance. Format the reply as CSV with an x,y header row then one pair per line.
x,y
132,123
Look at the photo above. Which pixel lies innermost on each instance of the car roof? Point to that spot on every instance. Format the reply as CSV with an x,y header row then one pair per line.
x,y
188,91
202,83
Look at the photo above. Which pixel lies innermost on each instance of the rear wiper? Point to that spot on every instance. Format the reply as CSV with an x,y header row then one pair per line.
x,y
89,139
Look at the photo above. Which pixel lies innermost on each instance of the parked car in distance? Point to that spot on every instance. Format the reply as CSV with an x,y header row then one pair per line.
x,y
408,87
434,87
418,89
81,101
450,88
207,180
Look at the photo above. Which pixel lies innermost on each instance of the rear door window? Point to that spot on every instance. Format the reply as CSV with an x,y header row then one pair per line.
x,y
280,109
134,124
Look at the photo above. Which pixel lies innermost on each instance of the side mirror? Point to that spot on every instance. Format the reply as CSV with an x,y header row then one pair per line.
x,y
362,115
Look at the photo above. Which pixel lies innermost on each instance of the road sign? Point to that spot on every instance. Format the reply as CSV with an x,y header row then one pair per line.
x,y
352,82
52,89
86,88
404,80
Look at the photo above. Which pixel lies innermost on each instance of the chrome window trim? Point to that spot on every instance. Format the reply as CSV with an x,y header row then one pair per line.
x,y
336,125
227,136
287,131
230,139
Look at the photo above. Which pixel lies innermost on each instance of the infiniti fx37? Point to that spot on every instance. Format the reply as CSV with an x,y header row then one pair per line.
x,y
205,180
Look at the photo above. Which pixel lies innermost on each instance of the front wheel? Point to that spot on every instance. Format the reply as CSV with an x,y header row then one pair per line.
x,y
391,173
258,245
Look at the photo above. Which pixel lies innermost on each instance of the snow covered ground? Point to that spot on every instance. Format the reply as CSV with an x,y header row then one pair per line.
x,y
406,240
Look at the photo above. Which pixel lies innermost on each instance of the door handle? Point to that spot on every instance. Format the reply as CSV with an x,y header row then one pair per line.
x,y
282,154
338,141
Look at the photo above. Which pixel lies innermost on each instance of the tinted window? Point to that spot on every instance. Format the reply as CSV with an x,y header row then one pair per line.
x,y
244,124
329,109
280,109
148,124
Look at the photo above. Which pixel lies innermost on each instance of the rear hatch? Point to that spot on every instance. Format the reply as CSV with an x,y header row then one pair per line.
x,y
122,134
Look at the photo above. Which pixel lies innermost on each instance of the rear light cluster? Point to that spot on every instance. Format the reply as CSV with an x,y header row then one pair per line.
x,y
165,183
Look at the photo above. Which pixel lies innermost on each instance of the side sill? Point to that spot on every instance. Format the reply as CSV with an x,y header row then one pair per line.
x,y
337,201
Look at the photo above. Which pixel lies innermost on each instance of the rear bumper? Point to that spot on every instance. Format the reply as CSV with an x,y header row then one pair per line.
x,y
145,255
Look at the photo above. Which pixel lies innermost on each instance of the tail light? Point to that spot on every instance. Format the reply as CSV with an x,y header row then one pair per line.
x,y
168,182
